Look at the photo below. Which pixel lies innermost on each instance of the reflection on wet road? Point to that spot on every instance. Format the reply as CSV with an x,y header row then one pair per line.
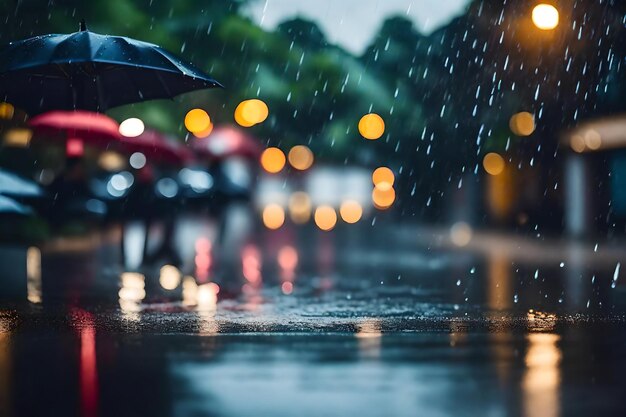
x,y
314,324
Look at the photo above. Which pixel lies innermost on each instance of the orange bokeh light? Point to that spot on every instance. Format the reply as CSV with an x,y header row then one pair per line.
x,y
383,174
383,195
371,126
197,120
325,218
300,157
273,216
273,160
351,211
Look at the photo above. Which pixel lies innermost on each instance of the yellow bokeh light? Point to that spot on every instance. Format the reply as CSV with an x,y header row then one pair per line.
x,y
197,120
204,133
325,218
273,160
251,112
545,16
383,195
300,157
522,124
239,117
383,174
351,211
493,163
300,207
371,126
273,216
255,111
18,137
6,110
111,161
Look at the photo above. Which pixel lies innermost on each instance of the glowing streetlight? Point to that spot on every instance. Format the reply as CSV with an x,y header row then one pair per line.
x,y
545,16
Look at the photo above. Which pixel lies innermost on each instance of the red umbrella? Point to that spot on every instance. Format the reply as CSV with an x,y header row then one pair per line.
x,y
91,127
156,147
76,128
225,142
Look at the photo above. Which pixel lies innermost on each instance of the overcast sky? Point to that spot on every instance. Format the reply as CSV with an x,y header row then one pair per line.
x,y
352,23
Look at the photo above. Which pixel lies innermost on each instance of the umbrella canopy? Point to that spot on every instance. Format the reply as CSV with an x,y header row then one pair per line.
x,y
15,186
85,70
225,142
9,206
88,126
156,147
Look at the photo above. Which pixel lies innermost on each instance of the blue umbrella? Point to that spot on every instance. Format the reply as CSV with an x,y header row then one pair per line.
x,y
88,71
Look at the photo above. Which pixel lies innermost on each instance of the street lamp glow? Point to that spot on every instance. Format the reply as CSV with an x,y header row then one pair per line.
x,y
545,16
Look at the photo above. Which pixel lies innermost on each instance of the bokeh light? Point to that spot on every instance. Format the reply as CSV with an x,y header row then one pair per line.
x,y
545,16
197,120
577,143
137,160
493,163
74,147
461,234
383,174
593,140
204,133
383,196
273,216
111,161
286,288
300,157
132,127
522,124
273,160
18,137
351,211
325,217
371,126
169,277
300,207
251,112
288,257
6,110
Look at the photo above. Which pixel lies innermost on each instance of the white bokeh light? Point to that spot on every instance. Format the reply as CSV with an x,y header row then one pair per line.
x,y
132,127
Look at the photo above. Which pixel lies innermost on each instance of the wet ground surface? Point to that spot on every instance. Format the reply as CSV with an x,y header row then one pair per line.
x,y
432,331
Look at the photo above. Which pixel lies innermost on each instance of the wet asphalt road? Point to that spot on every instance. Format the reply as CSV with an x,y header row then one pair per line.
x,y
434,331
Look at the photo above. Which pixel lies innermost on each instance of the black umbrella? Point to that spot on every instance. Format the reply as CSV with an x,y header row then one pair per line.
x,y
88,71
